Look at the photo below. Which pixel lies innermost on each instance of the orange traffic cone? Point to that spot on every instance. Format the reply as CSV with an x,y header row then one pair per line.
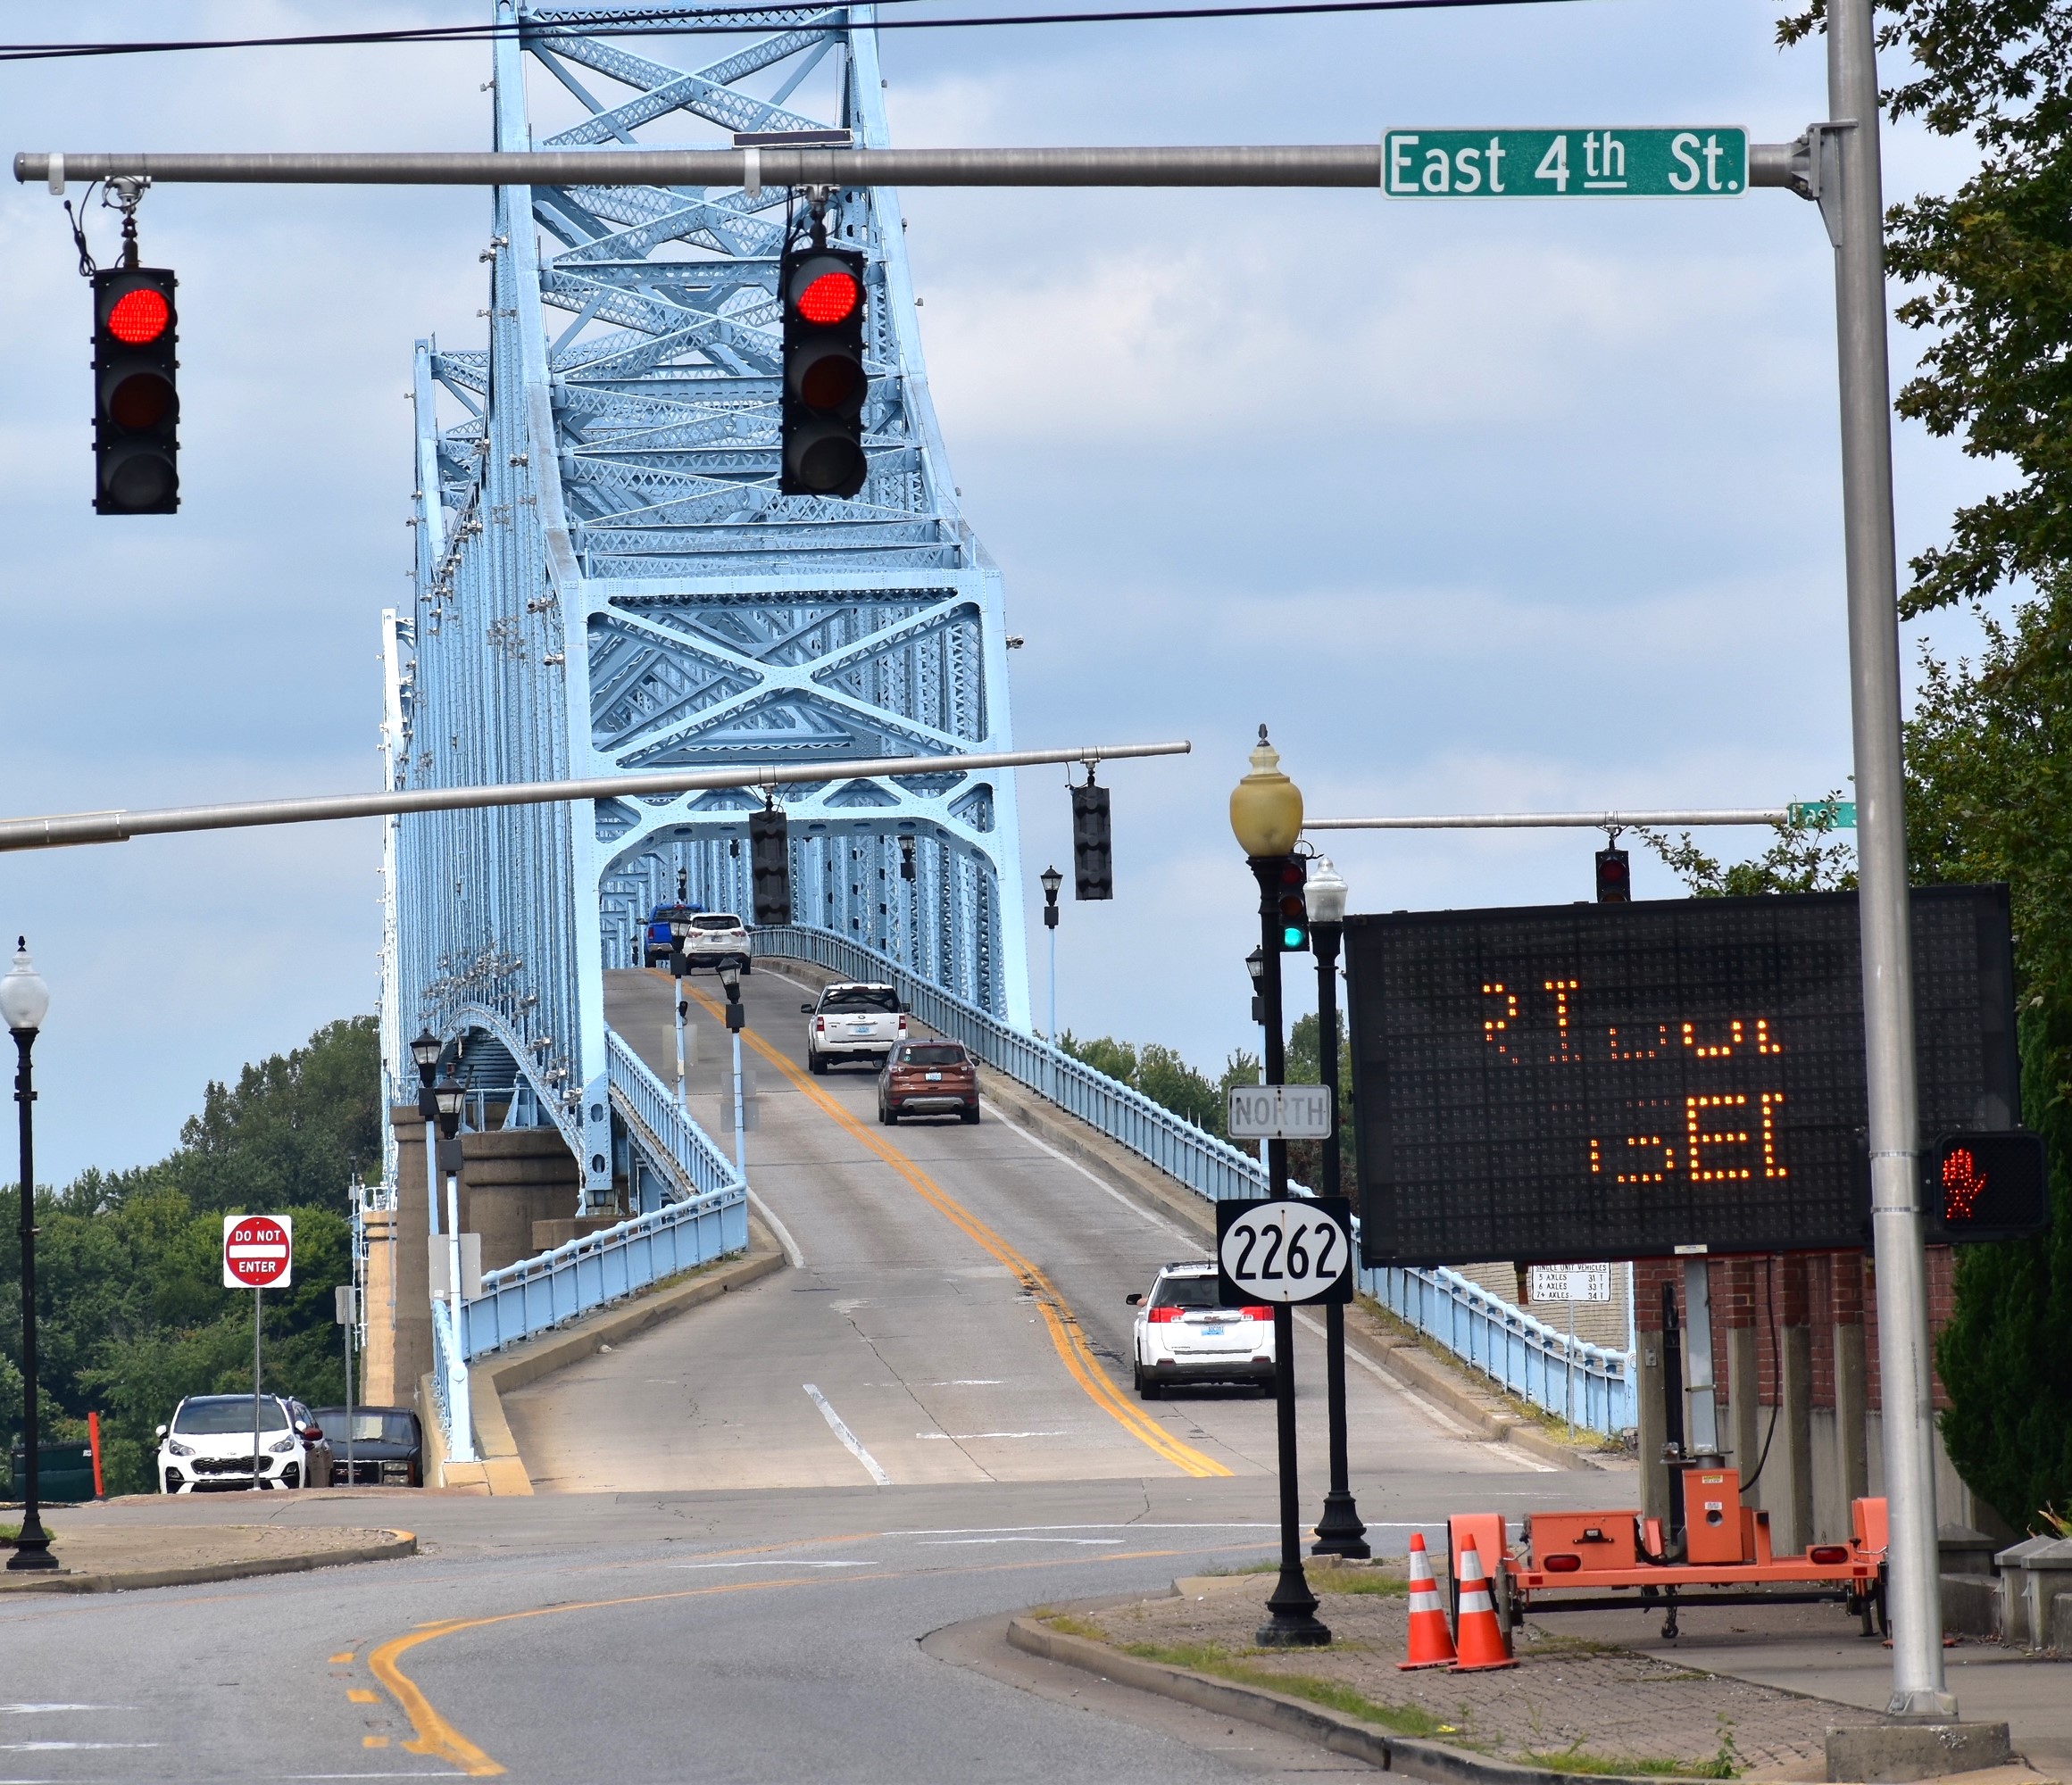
x,y
1482,1641
1431,1642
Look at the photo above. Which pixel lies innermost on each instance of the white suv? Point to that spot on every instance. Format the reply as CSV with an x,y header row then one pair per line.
x,y
853,1021
715,938
208,1447
1184,1335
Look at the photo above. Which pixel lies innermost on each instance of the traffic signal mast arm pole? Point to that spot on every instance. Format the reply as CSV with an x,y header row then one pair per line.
x,y
1348,165
66,829
1580,821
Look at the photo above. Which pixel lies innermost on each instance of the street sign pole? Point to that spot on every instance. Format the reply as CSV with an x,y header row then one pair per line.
x,y
1855,217
258,1323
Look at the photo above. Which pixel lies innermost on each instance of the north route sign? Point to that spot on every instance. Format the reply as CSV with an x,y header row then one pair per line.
x,y
1633,1081
1693,160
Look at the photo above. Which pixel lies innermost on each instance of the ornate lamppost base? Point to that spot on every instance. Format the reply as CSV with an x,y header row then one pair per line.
x,y
1293,1623
31,1550
1341,1531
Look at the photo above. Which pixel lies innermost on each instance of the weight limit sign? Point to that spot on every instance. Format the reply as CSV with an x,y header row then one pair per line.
x,y
1297,1250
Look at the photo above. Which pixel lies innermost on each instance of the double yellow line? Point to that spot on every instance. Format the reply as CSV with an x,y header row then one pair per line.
x,y
1063,1325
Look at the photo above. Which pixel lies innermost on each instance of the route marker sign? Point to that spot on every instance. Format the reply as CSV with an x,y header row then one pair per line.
x,y
1697,161
1279,1112
1293,1251
258,1251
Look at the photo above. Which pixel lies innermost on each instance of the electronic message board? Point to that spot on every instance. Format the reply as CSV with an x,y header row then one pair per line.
x,y
1627,1081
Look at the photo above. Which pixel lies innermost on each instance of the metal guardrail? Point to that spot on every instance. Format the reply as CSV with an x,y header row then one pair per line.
x,y
1517,1351
678,1144
1211,1167
535,1294
452,1399
1511,1347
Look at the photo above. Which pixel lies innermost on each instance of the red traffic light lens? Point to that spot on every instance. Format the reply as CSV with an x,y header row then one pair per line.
x,y
829,299
139,316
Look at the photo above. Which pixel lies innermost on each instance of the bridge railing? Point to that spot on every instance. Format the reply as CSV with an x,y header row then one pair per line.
x,y
681,1148
1212,1167
1523,1353
1514,1349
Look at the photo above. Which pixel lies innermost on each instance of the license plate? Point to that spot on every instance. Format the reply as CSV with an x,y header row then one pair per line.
x,y
860,1028
935,1078
1211,1332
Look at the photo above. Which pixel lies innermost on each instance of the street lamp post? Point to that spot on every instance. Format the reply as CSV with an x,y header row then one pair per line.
x,y
1266,816
24,1001
1052,880
730,979
425,1052
450,1097
1340,1531
680,964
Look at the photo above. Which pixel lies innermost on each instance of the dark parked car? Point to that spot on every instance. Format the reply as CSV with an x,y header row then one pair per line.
x,y
388,1447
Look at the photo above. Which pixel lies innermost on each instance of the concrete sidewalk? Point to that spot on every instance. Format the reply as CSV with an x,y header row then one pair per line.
x,y
97,1555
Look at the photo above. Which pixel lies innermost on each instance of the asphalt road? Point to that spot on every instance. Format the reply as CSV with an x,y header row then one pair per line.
x,y
728,1574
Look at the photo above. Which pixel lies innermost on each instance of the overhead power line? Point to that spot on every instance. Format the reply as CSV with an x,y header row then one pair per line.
x,y
713,21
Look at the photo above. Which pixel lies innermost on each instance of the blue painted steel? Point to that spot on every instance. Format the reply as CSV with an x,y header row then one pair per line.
x,y
535,1294
607,578
1517,1352
1514,1348
679,1147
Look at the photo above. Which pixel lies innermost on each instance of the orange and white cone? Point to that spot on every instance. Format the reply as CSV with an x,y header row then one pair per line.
x,y
1482,1638
1431,1642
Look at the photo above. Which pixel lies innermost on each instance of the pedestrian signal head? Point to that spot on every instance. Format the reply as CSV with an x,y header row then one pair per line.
x,y
1995,1185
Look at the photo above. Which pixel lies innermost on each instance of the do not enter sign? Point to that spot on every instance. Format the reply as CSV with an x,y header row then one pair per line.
x,y
258,1251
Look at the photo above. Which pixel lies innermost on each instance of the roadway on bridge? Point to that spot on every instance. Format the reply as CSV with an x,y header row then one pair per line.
x,y
959,1316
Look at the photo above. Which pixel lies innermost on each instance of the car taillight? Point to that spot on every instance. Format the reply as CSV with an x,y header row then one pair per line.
x,y
1257,1312
820,1024
1160,1315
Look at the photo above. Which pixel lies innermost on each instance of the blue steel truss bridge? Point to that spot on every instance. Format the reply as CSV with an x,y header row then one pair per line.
x,y
609,581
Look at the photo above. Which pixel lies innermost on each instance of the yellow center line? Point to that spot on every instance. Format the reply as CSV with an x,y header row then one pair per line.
x,y
1067,1336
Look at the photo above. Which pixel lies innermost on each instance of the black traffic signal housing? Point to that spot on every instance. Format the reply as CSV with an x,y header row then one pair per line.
x,y
1614,876
770,864
1290,874
820,431
136,391
1993,1185
1092,851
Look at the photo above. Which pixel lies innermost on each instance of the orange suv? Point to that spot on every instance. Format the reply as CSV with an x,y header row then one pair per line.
x,y
927,1078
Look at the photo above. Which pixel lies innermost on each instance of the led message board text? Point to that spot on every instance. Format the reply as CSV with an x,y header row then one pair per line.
x,y
1624,1081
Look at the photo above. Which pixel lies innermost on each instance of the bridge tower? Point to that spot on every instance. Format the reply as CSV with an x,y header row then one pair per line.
x,y
607,578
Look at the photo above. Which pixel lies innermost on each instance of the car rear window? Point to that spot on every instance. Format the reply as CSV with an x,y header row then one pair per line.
x,y
716,920
945,1053
861,998
218,1416
1188,1292
369,1428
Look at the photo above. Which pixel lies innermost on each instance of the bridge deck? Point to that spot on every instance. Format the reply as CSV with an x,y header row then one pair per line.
x,y
914,1315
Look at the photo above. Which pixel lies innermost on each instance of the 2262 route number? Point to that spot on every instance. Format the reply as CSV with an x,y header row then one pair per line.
x,y
1298,1251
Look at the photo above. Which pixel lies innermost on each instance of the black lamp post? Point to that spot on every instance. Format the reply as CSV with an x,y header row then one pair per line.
x,y
680,964
1266,816
24,1001
1339,1532
425,1052
1052,880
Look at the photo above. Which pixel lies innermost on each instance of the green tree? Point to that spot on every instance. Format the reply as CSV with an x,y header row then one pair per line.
x,y
1990,798
1799,860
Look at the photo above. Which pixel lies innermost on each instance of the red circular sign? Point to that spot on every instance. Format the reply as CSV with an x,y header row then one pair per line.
x,y
257,1252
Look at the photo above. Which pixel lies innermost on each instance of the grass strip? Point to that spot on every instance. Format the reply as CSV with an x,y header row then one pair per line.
x,y
1650,1766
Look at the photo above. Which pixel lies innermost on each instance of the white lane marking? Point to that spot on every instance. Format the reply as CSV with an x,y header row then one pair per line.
x,y
30,1710
1083,1542
792,1257
963,1436
784,1563
52,1747
853,1444
972,1382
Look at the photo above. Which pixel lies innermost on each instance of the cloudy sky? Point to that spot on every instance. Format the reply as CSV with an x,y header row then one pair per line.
x,y
1481,508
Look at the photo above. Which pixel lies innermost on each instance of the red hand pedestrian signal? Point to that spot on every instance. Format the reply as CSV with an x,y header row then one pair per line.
x,y
1962,1184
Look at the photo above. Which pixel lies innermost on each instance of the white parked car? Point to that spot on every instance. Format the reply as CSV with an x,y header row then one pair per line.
x,y
208,1447
1184,1335
714,939
853,1021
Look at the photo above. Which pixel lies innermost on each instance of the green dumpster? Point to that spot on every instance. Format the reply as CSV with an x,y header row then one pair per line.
x,y
64,1472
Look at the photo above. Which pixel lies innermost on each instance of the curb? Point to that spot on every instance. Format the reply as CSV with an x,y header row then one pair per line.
x,y
1291,1716
501,1469
129,1580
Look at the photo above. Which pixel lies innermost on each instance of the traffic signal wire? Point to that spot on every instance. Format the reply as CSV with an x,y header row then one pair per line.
x,y
713,21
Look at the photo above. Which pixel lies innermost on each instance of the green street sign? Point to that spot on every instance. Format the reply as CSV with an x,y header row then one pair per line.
x,y
1697,161
1826,815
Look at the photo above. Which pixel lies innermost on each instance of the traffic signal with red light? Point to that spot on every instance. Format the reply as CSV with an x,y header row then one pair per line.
x,y
1093,849
770,864
1291,908
1614,877
1986,1186
136,391
821,417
